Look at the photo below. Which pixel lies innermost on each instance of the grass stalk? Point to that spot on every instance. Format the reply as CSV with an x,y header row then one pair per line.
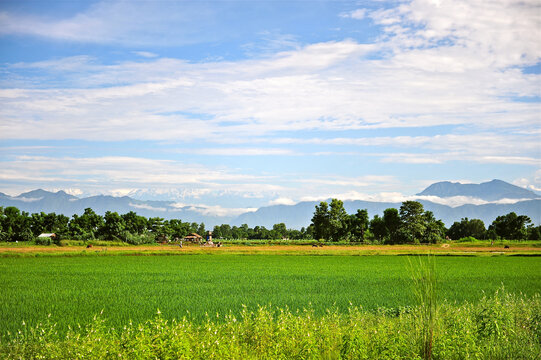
x,y
424,283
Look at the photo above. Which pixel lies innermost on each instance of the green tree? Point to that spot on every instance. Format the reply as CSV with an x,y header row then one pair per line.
x,y
37,223
280,230
114,226
434,229
134,224
534,232
511,226
378,228
358,225
391,218
16,225
464,228
412,221
338,220
86,226
201,230
178,229
157,226
321,221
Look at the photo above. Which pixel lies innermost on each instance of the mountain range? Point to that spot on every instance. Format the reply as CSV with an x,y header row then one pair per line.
x,y
487,201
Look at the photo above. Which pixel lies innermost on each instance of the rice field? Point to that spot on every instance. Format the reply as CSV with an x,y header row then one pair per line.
x,y
71,290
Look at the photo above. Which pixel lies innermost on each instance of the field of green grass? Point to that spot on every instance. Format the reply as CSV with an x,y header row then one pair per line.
x,y
74,289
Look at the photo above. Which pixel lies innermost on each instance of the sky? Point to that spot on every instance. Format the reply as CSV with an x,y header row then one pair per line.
x,y
240,104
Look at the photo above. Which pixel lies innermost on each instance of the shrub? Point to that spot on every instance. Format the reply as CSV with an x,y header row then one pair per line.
x,y
502,327
136,239
467,239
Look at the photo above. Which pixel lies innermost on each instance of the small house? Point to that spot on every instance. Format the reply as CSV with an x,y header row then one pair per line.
x,y
51,236
193,237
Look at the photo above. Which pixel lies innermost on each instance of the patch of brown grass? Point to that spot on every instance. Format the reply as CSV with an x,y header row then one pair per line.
x,y
452,249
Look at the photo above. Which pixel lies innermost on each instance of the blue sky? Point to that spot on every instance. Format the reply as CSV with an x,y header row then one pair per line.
x,y
241,104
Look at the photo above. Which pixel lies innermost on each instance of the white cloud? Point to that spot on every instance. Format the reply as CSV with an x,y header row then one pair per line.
x,y
453,64
214,210
237,151
282,201
26,199
357,14
72,191
147,207
531,183
118,170
396,197
120,22
146,54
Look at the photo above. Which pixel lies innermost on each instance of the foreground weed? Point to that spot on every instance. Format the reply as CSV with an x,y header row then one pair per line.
x,y
423,274
503,326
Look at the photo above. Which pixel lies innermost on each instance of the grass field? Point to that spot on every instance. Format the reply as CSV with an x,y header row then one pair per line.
x,y
74,289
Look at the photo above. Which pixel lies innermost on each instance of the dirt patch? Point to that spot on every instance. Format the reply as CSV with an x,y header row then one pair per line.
x,y
273,249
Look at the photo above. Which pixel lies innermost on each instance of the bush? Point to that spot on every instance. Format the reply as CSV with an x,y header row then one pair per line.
x,y
136,239
468,239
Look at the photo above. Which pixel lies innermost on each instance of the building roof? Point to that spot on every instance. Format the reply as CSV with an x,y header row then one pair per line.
x,y
193,235
47,235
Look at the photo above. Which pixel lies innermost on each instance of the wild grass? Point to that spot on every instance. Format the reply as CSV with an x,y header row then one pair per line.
x,y
502,326
424,284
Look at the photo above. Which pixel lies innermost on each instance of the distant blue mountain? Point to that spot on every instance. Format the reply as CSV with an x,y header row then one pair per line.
x,y
490,191
300,215
294,216
63,203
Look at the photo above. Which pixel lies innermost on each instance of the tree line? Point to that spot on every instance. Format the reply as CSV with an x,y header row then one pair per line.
x,y
412,224
130,227
330,222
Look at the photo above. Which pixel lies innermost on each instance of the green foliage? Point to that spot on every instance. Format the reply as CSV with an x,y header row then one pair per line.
x,y
411,225
139,239
467,228
358,225
378,228
412,222
423,273
321,221
468,239
391,218
500,327
510,226
114,227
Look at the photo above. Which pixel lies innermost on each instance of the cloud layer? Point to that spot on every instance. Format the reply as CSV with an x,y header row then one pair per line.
x,y
444,83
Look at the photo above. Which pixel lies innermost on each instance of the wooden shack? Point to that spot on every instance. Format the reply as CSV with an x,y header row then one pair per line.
x,y
193,237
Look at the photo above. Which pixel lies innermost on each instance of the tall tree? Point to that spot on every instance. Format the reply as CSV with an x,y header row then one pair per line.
x,y
358,224
466,227
338,220
321,221
391,218
510,226
413,224
114,226
378,228
135,224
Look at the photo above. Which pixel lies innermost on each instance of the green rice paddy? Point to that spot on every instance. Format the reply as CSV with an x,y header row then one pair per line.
x,y
73,289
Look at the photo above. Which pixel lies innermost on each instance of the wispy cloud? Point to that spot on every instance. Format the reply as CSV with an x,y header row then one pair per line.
x,y
147,207
121,22
357,14
455,67
214,210
145,54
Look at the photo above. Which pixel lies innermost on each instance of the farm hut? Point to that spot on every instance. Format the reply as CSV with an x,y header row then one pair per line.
x,y
51,236
193,237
